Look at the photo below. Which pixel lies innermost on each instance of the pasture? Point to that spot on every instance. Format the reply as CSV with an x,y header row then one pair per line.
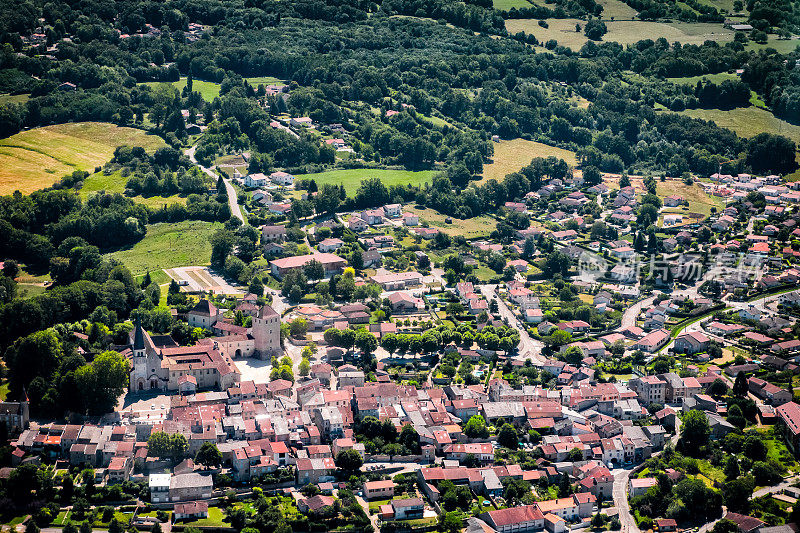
x,y
351,178
39,157
510,156
747,121
622,31
505,5
169,245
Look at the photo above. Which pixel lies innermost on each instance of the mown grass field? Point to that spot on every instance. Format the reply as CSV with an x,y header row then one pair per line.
x,y
169,245
264,80
470,228
351,178
510,156
616,9
505,5
714,78
37,158
207,89
747,121
622,31
116,183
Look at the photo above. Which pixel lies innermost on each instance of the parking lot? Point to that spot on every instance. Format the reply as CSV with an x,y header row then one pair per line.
x,y
201,279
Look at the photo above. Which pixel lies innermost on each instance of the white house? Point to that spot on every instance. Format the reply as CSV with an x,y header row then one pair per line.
x,y
281,178
256,180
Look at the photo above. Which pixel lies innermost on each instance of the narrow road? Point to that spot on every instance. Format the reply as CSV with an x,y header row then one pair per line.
x,y
630,314
233,200
529,348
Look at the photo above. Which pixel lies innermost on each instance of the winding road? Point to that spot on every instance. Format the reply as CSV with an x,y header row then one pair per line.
x,y
233,200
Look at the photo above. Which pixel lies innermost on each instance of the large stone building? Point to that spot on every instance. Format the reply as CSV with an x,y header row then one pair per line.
x,y
208,364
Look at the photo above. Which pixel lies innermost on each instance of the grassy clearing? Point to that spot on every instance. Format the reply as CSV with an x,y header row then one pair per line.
x,y
622,31
169,245
510,156
714,78
13,98
699,201
617,9
505,5
351,178
116,183
207,89
470,228
782,46
747,121
37,158
264,80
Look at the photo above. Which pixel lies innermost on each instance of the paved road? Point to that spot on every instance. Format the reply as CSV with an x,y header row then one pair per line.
x,y
620,492
529,348
233,200
630,314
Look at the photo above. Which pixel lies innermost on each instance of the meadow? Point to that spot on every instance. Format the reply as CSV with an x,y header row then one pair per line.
x,y
470,228
39,157
747,121
621,31
116,183
169,245
510,156
505,5
207,89
351,178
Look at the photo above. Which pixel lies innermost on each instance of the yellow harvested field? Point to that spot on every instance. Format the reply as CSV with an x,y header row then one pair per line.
x,y
37,158
470,228
621,31
510,156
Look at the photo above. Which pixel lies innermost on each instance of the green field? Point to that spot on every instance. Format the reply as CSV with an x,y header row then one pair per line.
x,y
169,245
351,178
216,518
207,89
510,156
13,98
116,183
37,158
782,46
747,121
622,31
714,78
264,80
505,5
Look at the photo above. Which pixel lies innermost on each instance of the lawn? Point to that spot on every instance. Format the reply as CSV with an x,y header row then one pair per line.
x,y
216,518
622,31
39,157
4,391
207,89
351,178
699,201
264,80
116,183
470,228
27,290
510,156
505,5
169,245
